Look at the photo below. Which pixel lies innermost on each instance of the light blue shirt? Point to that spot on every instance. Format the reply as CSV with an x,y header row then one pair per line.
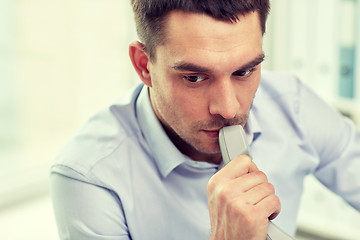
x,y
120,177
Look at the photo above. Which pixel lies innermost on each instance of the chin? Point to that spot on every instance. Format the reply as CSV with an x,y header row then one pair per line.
x,y
209,149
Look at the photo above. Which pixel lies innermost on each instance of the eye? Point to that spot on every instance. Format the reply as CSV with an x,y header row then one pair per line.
x,y
244,73
194,78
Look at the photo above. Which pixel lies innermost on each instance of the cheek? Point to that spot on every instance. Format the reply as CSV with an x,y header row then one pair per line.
x,y
171,100
186,103
189,102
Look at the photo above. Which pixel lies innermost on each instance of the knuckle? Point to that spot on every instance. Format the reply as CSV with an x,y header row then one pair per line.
x,y
277,200
224,194
262,175
244,159
270,187
219,191
211,185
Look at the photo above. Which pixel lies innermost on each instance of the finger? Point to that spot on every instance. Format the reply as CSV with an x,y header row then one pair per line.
x,y
259,192
222,180
239,166
248,187
246,182
270,206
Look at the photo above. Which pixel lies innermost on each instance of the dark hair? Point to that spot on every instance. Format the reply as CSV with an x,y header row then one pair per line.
x,y
150,15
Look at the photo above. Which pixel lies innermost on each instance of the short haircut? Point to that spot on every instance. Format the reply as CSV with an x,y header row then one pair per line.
x,y
150,15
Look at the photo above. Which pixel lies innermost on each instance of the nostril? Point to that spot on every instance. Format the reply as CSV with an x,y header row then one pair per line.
x,y
226,107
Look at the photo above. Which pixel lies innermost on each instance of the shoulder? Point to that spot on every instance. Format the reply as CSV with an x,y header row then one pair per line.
x,y
284,103
99,138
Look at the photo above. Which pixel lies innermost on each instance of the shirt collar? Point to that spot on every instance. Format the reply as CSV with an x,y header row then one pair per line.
x,y
252,127
166,155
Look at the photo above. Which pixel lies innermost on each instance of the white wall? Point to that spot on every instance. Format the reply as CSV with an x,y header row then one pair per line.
x,y
306,37
61,60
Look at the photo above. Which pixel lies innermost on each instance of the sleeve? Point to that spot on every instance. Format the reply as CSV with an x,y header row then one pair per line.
x,y
85,211
336,142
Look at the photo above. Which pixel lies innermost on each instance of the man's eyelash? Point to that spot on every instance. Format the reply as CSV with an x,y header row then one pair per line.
x,y
194,78
244,73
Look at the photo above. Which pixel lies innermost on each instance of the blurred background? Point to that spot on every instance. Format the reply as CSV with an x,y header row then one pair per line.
x,y
63,60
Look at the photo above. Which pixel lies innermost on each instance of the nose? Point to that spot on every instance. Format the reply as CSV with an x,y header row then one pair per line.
x,y
223,100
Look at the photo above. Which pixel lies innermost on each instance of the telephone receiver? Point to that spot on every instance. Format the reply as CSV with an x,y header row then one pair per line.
x,y
233,142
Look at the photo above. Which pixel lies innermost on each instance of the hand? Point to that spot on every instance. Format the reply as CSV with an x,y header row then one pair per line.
x,y
241,201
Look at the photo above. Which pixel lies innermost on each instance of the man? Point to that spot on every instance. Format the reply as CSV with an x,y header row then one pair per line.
x,y
150,166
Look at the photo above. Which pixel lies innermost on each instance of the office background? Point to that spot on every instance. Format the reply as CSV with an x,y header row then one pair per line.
x,y
62,60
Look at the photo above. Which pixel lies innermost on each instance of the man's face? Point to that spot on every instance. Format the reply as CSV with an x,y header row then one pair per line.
x,y
205,77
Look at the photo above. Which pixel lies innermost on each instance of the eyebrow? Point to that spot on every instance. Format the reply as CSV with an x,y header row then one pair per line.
x,y
190,67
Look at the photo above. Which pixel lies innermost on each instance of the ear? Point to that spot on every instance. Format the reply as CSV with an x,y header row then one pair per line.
x,y
140,60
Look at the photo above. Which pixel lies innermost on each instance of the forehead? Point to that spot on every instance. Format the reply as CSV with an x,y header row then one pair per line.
x,y
194,35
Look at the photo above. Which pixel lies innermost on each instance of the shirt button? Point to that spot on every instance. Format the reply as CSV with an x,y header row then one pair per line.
x,y
195,164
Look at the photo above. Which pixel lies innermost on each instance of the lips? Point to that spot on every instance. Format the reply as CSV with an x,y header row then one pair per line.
x,y
212,133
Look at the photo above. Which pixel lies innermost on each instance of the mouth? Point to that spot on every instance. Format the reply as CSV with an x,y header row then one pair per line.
x,y
212,133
